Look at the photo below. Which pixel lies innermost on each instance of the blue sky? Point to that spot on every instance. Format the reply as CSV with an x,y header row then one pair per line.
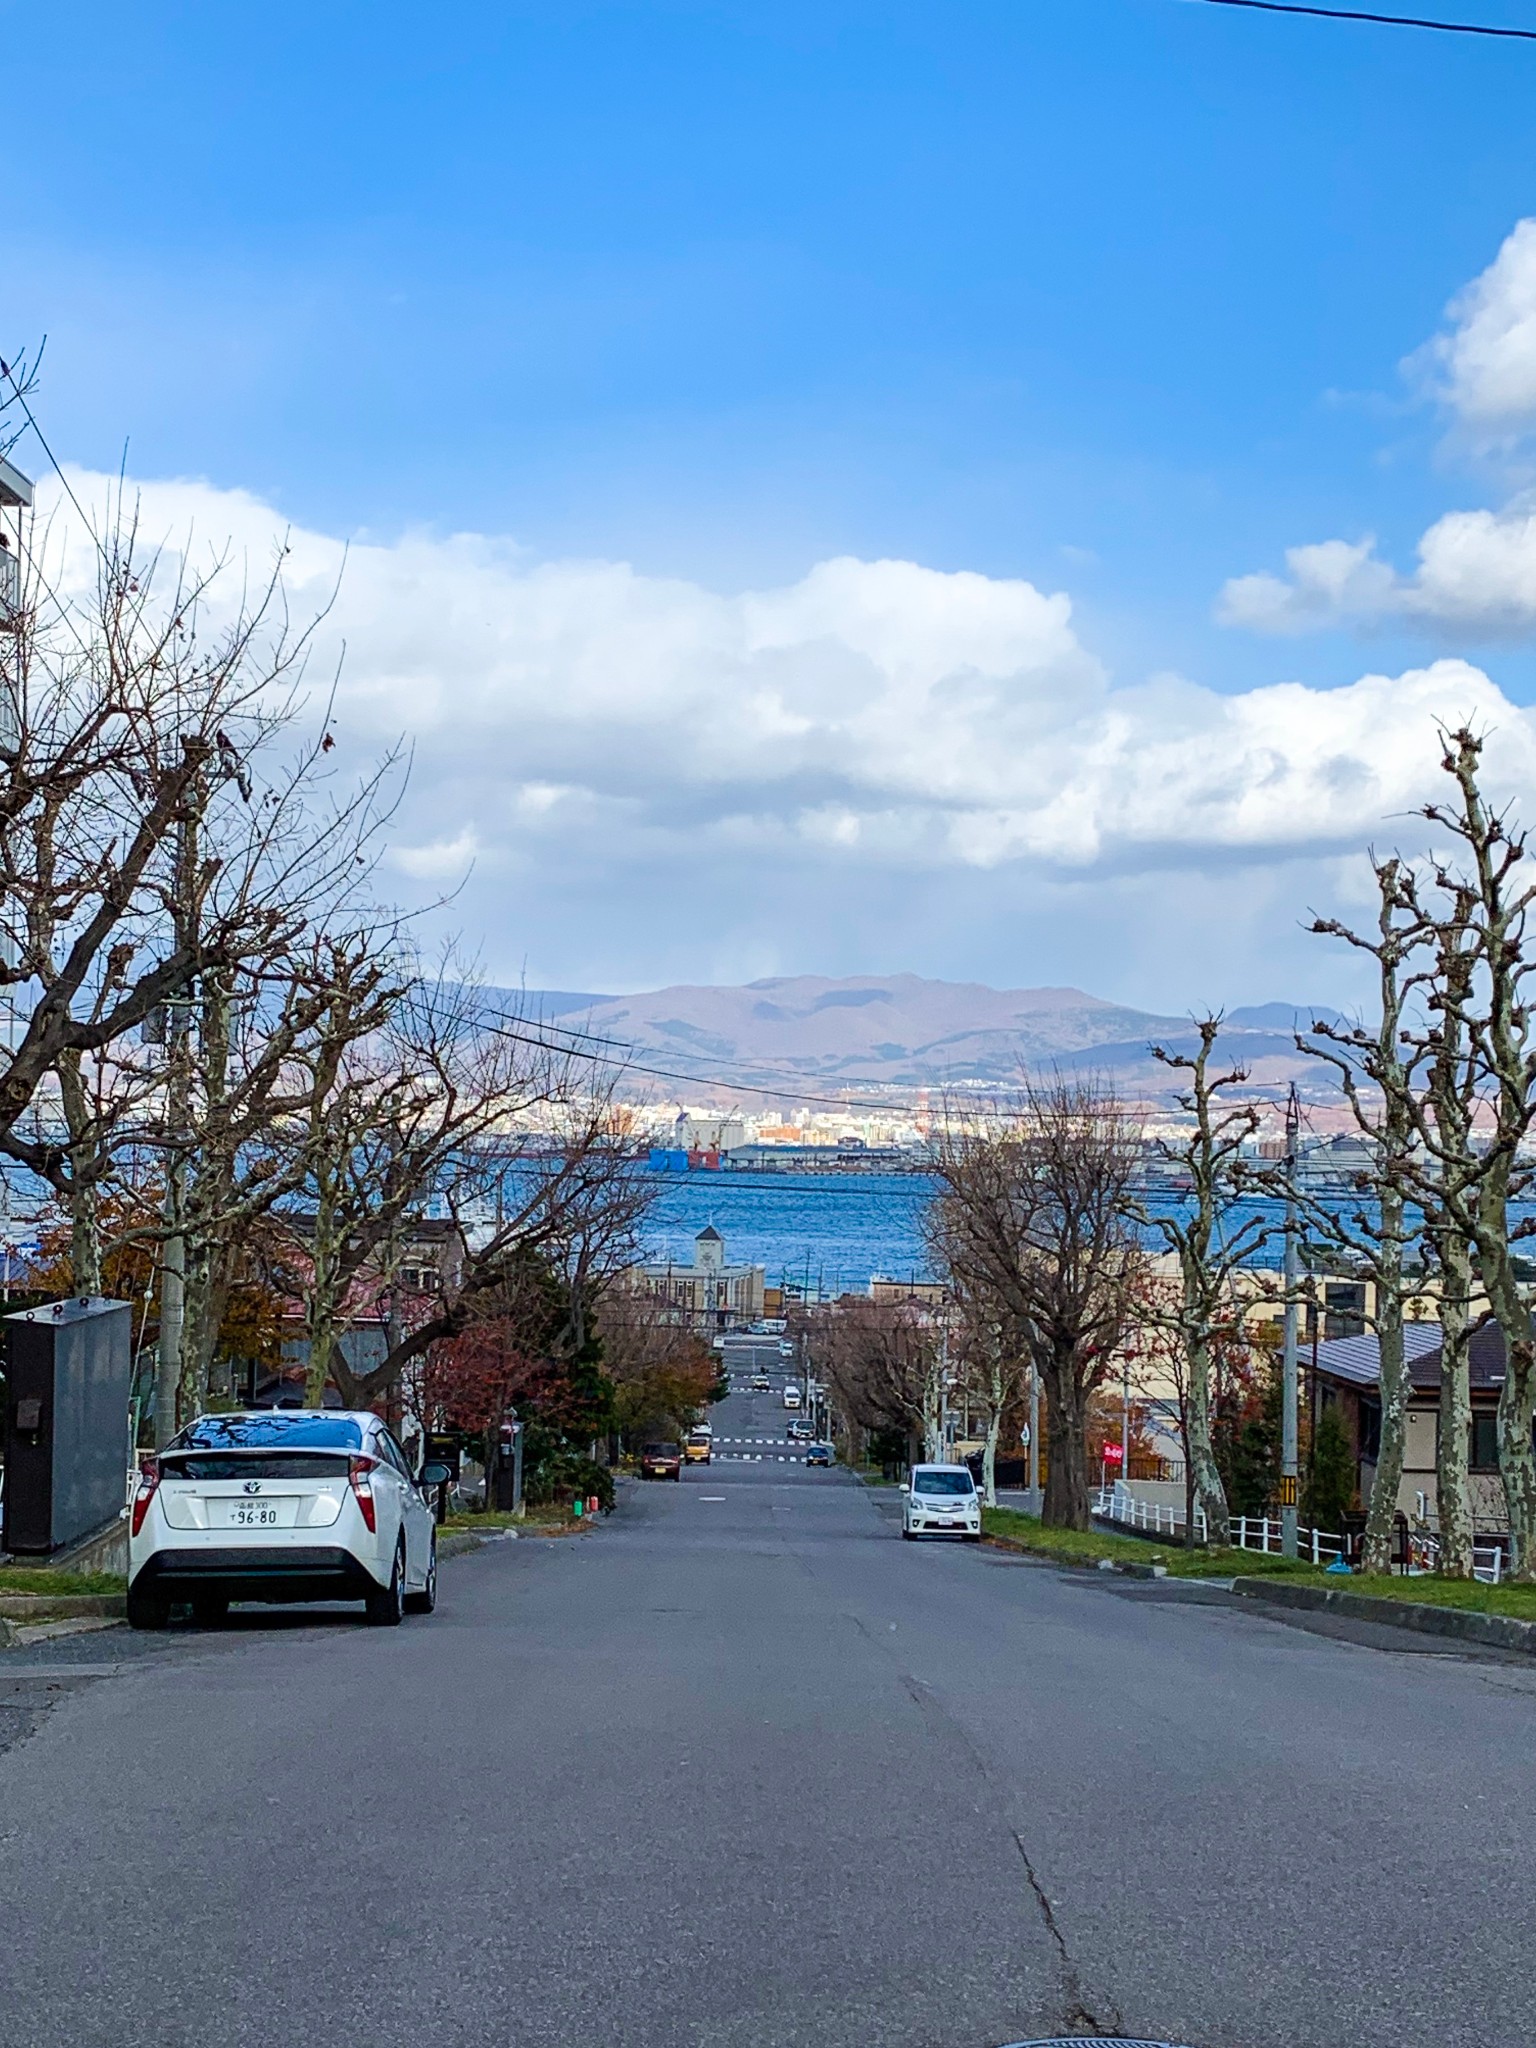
x,y
1105,296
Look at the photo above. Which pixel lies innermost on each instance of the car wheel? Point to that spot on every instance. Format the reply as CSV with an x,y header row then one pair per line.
x,y
972,1539
210,1610
147,1607
424,1601
386,1606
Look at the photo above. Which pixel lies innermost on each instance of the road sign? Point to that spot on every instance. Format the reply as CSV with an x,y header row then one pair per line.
x,y
1288,1490
1113,1453
1024,1436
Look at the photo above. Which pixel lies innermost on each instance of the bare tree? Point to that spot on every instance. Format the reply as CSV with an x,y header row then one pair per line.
x,y
990,1355
1483,999
1040,1222
1374,1237
113,713
480,1115
1210,1240
883,1362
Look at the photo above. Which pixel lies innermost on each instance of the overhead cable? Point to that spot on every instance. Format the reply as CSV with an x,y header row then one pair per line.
x,y
1450,28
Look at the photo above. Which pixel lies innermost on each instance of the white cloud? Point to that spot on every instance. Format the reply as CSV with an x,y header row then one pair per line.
x,y
441,861
1476,571
1484,367
1476,574
635,755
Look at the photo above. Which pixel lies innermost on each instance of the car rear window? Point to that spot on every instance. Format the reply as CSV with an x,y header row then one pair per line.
x,y
281,1430
254,1465
661,1450
943,1482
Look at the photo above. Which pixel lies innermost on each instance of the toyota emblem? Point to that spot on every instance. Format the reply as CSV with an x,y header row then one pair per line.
x,y
253,1486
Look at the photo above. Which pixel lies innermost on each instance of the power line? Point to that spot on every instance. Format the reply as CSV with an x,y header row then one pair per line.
x,y
1450,28
31,419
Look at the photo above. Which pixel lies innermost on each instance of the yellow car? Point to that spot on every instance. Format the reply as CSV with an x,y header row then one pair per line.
x,y
698,1447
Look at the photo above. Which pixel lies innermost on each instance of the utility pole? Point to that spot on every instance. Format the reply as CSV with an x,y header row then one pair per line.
x,y
1289,1447
173,1264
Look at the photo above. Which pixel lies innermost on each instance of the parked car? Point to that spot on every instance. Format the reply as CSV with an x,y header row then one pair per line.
x,y
820,1454
698,1447
661,1461
282,1505
941,1500
799,1432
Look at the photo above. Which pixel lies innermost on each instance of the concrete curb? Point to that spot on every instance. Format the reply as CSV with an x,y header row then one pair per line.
x,y
24,1607
1459,1624
1073,1562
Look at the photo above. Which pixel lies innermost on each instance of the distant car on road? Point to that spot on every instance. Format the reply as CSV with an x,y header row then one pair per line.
x,y
759,1383
799,1432
661,1461
791,1395
941,1500
698,1447
278,1505
820,1454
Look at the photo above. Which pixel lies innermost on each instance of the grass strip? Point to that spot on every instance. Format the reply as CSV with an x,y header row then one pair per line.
x,y
1087,1547
41,1579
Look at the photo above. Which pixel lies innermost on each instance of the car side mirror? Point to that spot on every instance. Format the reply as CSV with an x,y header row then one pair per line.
x,y
434,1475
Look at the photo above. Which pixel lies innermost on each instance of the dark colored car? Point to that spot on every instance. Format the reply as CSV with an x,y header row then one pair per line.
x,y
820,1454
661,1461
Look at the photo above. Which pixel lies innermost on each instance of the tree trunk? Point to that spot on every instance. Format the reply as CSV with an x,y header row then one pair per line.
x,y
1381,1513
322,1310
84,1166
1517,1399
1066,1477
1517,1467
989,1444
1452,1489
1206,1476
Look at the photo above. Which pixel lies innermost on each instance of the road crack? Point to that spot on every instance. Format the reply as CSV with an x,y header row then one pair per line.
x,y
1076,2011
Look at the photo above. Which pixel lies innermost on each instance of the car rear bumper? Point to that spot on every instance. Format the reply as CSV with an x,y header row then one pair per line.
x,y
247,1572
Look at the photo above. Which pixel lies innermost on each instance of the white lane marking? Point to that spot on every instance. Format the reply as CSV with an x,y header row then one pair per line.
x,y
711,1496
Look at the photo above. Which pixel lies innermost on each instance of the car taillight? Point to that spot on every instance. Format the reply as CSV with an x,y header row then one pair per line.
x,y
358,1470
149,1479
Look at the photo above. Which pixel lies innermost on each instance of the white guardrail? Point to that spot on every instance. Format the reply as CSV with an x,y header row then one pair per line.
x,y
1264,1533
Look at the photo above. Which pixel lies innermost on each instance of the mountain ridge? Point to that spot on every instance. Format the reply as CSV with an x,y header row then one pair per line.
x,y
781,1032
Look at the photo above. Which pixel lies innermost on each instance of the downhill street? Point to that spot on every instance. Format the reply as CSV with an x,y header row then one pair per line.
x,y
740,1767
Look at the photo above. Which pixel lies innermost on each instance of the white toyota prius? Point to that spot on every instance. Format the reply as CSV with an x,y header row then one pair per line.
x,y
941,1500
282,1505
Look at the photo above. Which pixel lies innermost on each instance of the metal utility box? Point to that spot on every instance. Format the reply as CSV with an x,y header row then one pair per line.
x,y
67,1372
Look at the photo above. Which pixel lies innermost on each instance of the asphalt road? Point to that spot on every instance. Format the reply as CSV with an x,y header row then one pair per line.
x,y
739,1767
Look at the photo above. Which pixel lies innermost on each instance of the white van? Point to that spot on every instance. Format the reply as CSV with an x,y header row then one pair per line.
x,y
791,1395
941,1500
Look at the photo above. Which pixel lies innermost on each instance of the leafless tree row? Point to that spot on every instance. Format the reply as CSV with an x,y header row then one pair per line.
x,y
218,1038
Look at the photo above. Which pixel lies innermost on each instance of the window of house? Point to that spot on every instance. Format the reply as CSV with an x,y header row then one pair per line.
x,y
1485,1443
1344,1308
